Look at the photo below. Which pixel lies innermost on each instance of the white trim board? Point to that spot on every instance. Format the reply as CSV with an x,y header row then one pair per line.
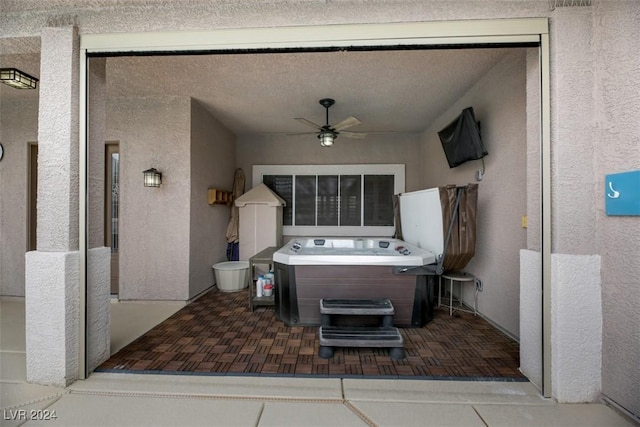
x,y
415,33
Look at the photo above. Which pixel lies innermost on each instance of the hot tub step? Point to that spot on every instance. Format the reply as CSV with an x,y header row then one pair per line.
x,y
338,336
357,307
360,336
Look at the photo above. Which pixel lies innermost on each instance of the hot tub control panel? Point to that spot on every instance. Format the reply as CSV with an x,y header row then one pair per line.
x,y
403,251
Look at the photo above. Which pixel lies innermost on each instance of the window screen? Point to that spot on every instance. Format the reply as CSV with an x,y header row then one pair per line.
x,y
305,200
378,200
327,200
350,195
334,200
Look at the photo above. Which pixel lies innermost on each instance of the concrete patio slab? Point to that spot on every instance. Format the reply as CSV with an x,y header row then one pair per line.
x,y
442,391
282,414
105,410
561,415
420,414
12,325
21,394
245,387
17,416
13,366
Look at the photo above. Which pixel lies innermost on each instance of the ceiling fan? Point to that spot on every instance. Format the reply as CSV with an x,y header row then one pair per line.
x,y
328,133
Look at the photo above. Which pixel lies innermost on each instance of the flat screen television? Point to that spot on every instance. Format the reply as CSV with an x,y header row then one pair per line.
x,y
461,139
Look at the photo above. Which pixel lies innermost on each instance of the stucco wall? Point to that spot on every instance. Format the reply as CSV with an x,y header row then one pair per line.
x,y
19,124
51,283
499,102
154,222
306,149
58,141
212,165
573,201
158,15
534,153
616,42
614,36
577,318
97,100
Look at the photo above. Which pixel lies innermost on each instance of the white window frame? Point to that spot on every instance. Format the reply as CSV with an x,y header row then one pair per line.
x,y
397,170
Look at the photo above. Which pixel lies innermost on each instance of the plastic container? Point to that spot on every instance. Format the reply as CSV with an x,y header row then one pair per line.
x,y
271,277
231,276
268,290
259,287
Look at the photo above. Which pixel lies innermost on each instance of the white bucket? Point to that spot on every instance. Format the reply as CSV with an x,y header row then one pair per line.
x,y
231,276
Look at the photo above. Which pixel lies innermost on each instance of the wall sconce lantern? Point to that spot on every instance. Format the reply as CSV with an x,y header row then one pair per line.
x,y
17,79
152,178
326,138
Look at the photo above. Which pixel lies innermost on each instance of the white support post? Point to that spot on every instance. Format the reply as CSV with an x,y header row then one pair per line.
x,y
52,272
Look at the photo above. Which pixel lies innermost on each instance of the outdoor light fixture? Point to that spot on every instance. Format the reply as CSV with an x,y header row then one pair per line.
x,y
17,79
152,178
326,138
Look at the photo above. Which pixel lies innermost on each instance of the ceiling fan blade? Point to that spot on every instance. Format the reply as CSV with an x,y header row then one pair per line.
x,y
302,133
346,123
308,123
356,135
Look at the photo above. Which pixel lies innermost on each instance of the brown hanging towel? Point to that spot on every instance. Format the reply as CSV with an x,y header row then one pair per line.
x,y
459,207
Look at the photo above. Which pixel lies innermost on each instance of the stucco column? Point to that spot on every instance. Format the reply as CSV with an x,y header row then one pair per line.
x,y
52,271
576,304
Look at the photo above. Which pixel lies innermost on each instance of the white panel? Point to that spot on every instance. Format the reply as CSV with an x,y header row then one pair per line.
x,y
531,316
576,315
52,317
442,32
421,219
98,310
246,227
259,228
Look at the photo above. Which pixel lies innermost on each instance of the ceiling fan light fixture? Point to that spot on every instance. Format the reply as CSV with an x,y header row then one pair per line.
x,y
326,138
327,134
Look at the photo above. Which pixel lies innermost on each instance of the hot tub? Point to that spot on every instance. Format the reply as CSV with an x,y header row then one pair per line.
x,y
309,269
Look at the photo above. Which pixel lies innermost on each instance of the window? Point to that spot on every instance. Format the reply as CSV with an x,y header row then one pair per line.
x,y
347,200
112,198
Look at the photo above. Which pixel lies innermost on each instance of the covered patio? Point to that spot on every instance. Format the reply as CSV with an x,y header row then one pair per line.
x,y
217,334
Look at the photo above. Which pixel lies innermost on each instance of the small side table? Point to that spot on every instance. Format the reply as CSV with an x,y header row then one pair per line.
x,y
461,278
265,256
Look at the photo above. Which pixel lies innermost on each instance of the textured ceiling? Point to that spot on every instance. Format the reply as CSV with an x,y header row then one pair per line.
x,y
389,91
